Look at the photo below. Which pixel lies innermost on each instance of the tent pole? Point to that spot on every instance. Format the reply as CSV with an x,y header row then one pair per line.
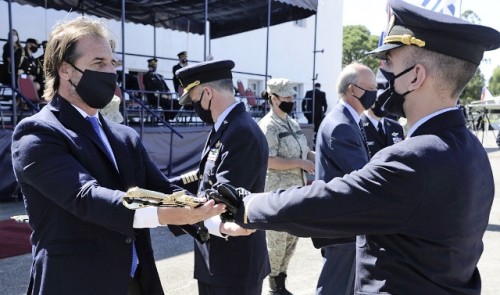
x,y
12,68
267,39
124,84
123,45
206,31
154,34
314,68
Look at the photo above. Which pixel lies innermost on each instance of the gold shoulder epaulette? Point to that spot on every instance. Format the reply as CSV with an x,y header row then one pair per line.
x,y
189,177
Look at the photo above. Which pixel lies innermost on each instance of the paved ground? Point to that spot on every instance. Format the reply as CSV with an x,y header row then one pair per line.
x,y
174,256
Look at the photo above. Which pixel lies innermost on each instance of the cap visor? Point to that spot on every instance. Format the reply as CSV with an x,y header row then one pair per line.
x,y
381,51
185,99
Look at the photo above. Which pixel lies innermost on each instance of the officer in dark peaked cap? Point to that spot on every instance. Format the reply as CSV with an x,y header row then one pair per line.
x,y
237,152
156,82
420,207
183,62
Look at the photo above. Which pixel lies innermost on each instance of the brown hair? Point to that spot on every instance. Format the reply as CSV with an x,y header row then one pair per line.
x,y
62,46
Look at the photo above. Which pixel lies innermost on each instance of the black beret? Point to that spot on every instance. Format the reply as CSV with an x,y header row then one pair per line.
x,y
182,53
203,72
152,60
412,25
31,40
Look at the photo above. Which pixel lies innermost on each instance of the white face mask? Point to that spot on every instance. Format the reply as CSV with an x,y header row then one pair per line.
x,y
15,38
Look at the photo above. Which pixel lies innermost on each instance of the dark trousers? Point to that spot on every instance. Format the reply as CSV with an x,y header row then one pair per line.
x,y
206,289
337,275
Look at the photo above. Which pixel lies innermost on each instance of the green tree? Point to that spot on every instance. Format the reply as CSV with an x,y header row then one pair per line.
x,y
475,86
356,42
494,82
473,89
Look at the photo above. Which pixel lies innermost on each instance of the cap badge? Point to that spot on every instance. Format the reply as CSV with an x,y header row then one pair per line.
x,y
191,86
405,39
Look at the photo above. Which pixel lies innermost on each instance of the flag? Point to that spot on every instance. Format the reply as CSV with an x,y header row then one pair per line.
x,y
486,94
449,7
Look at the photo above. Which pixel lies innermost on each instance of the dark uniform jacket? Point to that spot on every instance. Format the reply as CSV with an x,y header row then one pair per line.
x,y
82,233
320,107
393,134
419,209
175,80
26,64
237,153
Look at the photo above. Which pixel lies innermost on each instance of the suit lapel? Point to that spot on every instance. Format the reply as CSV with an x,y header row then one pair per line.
x,y
388,132
73,120
370,129
213,138
348,115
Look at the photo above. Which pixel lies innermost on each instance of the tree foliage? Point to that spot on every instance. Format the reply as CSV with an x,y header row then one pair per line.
x,y
494,82
356,42
475,86
473,89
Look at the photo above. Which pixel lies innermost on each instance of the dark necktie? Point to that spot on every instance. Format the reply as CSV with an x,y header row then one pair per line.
x,y
95,125
380,130
365,140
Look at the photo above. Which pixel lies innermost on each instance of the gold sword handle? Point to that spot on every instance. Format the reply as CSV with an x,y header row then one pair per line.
x,y
137,198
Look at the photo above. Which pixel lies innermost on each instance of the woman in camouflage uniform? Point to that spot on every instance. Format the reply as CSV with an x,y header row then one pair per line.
x,y
289,158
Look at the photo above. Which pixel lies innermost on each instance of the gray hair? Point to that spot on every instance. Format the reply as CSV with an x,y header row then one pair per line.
x,y
224,85
348,76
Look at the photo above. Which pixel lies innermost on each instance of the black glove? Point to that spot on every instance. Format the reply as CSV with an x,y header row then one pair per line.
x,y
229,195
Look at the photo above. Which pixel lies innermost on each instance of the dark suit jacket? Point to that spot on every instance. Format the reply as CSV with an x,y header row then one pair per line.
x,y
81,231
236,154
419,209
393,134
154,82
320,107
339,150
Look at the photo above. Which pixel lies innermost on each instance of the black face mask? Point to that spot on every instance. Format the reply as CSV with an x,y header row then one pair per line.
x,y
286,106
377,108
393,100
95,88
368,97
205,115
34,49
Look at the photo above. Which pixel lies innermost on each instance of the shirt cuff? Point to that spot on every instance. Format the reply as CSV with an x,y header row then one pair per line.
x,y
213,226
146,218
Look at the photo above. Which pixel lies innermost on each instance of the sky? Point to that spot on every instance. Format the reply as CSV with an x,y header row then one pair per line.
x,y
371,13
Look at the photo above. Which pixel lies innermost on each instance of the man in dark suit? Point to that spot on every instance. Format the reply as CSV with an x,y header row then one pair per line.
x,y
341,149
380,131
419,208
183,62
236,151
162,98
74,167
315,105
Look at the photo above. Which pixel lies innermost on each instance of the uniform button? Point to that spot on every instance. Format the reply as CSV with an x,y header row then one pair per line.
x,y
128,240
